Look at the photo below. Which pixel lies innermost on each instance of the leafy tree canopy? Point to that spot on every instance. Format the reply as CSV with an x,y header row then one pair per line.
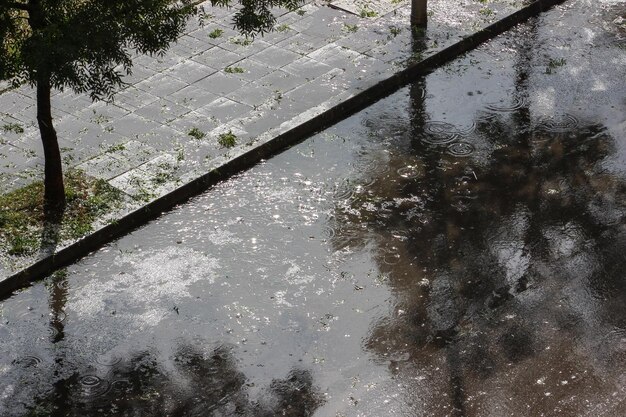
x,y
84,44
87,45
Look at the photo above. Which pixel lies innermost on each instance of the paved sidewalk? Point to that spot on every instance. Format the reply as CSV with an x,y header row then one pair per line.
x,y
164,128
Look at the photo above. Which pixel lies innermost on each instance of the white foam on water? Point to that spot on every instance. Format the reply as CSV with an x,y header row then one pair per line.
x,y
151,285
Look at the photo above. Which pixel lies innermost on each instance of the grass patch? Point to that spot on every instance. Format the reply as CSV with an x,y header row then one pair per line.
x,y
241,41
283,28
350,28
116,148
227,140
365,12
234,70
395,31
22,215
216,33
196,133
13,127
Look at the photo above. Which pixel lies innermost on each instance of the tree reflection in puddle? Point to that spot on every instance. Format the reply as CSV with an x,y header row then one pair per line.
x,y
189,383
503,251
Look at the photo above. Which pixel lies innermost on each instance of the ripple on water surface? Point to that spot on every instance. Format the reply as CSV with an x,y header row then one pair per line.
x,y
460,149
439,133
93,386
28,361
558,124
506,105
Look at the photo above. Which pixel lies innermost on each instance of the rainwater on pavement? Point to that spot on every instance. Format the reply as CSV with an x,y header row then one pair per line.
x,y
457,249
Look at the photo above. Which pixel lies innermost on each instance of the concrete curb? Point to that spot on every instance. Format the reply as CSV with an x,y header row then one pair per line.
x,y
357,102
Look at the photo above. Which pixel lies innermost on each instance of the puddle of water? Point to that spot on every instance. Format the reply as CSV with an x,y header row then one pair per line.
x,y
442,253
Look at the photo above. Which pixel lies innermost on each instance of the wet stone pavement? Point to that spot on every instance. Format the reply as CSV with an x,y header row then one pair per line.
x,y
454,250
163,130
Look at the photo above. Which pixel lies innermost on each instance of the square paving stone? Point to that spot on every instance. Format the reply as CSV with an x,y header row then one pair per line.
x,y
13,102
281,81
277,36
221,83
313,93
161,85
132,125
218,58
69,102
307,68
190,71
224,110
260,123
101,113
133,98
194,120
252,95
220,33
165,138
193,97
133,152
162,111
335,56
12,129
194,46
360,42
105,167
95,140
138,74
12,157
252,70
275,57
72,129
159,63
244,46
302,43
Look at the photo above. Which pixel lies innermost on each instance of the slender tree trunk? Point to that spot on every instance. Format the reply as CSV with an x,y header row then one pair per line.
x,y
54,195
419,17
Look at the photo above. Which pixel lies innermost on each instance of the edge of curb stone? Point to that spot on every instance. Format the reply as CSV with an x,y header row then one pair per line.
x,y
280,142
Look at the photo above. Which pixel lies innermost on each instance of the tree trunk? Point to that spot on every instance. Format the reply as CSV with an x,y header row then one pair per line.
x,y
54,194
419,17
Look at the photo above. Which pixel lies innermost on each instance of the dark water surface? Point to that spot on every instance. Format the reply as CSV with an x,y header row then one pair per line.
x,y
456,249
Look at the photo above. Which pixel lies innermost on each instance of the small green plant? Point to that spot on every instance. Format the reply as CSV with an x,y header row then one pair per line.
x,y
13,127
365,12
347,27
485,11
196,133
395,31
162,177
553,64
241,41
180,155
227,140
300,12
99,118
234,70
216,33
283,28
116,148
